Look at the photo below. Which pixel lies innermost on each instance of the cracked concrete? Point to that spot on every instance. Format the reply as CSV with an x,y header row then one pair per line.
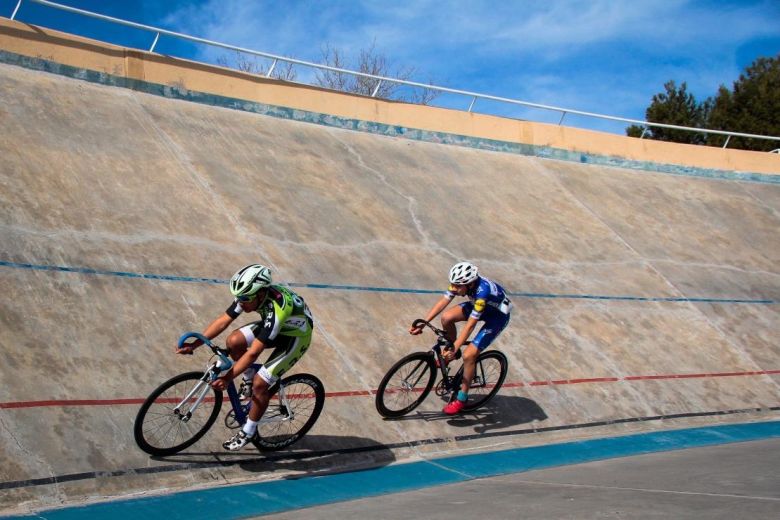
x,y
102,178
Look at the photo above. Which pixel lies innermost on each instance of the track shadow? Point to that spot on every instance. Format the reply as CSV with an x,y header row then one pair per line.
x,y
312,455
502,411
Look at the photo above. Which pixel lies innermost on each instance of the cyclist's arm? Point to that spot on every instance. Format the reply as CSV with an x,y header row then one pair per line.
x,y
438,307
214,329
435,310
218,326
249,357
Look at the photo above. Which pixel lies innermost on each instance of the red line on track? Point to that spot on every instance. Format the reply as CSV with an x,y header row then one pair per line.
x,y
360,393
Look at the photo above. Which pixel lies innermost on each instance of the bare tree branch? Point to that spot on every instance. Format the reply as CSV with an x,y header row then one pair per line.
x,y
282,70
372,62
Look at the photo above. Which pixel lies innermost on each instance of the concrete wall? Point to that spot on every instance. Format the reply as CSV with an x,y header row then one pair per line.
x,y
643,300
136,66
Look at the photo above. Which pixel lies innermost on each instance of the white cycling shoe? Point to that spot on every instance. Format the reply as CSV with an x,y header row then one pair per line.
x,y
237,441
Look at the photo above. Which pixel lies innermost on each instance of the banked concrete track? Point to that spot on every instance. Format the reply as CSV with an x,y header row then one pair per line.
x,y
645,300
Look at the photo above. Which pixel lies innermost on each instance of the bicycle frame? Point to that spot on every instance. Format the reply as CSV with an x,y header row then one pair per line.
x,y
214,371
449,382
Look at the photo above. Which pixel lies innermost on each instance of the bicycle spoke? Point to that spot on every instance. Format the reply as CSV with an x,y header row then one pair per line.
x,y
406,385
488,377
166,422
284,417
292,414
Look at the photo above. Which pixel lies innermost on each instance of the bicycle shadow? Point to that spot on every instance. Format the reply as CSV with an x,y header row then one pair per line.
x,y
312,455
503,411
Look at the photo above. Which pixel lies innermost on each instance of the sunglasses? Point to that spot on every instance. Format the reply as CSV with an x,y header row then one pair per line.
x,y
245,299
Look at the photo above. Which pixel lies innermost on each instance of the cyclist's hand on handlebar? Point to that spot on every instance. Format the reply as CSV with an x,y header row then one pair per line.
x,y
219,384
186,350
416,328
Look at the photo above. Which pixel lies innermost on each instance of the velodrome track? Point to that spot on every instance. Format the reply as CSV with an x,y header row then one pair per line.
x,y
646,297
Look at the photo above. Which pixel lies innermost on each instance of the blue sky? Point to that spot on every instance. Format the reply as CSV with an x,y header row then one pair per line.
x,y
604,56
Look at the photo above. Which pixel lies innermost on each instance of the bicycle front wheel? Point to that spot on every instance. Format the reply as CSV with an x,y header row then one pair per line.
x,y
291,412
166,422
406,385
490,373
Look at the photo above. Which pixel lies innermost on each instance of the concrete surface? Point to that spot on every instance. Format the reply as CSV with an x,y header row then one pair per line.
x,y
644,301
729,481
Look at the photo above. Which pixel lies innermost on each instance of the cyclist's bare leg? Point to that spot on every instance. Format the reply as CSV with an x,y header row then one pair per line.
x,y
470,354
449,318
260,398
236,344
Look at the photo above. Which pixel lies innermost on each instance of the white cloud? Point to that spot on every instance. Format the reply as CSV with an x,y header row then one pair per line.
x,y
597,55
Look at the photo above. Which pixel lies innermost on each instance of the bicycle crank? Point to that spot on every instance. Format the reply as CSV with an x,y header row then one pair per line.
x,y
442,389
230,420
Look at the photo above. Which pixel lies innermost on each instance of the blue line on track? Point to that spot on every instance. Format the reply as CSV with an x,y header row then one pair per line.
x,y
174,278
245,500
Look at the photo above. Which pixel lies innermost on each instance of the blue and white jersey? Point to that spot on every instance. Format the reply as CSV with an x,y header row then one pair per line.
x,y
487,297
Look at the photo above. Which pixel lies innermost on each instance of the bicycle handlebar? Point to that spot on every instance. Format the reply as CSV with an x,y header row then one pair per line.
x,y
224,364
421,322
187,335
443,341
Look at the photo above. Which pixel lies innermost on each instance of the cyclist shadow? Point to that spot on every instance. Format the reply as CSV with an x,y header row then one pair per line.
x,y
502,411
312,455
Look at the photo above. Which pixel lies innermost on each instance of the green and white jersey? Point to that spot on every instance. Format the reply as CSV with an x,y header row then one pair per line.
x,y
283,312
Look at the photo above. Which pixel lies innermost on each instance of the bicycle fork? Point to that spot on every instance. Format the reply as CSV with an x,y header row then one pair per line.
x,y
201,387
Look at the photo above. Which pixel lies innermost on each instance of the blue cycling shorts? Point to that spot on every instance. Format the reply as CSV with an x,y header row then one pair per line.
x,y
494,324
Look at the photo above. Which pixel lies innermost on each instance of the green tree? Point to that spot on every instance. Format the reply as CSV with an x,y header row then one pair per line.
x,y
753,107
675,106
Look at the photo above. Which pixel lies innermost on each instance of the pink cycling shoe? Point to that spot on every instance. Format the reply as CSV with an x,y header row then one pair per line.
x,y
454,407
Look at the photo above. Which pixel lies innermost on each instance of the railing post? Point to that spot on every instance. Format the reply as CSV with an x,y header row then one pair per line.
x,y
271,69
16,9
563,114
728,138
376,89
473,100
644,131
154,43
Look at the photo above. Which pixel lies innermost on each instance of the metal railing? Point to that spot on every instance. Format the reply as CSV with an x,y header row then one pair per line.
x,y
380,79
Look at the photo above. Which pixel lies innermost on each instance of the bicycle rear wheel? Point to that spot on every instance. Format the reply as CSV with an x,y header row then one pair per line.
x,y
406,385
490,373
293,415
162,428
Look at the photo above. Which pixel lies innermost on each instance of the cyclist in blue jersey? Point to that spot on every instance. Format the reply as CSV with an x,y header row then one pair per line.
x,y
285,324
487,302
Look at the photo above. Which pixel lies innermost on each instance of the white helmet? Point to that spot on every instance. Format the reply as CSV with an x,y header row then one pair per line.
x,y
463,273
249,280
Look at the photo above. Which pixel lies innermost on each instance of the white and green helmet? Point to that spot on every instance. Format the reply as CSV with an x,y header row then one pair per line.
x,y
249,280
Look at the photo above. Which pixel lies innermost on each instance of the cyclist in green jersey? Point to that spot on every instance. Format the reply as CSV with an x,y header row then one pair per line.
x,y
286,325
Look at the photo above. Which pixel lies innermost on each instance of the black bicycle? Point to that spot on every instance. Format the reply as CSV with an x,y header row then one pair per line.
x,y
411,379
181,410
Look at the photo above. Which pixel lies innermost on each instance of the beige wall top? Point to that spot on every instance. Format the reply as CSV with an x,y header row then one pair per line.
x,y
62,48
